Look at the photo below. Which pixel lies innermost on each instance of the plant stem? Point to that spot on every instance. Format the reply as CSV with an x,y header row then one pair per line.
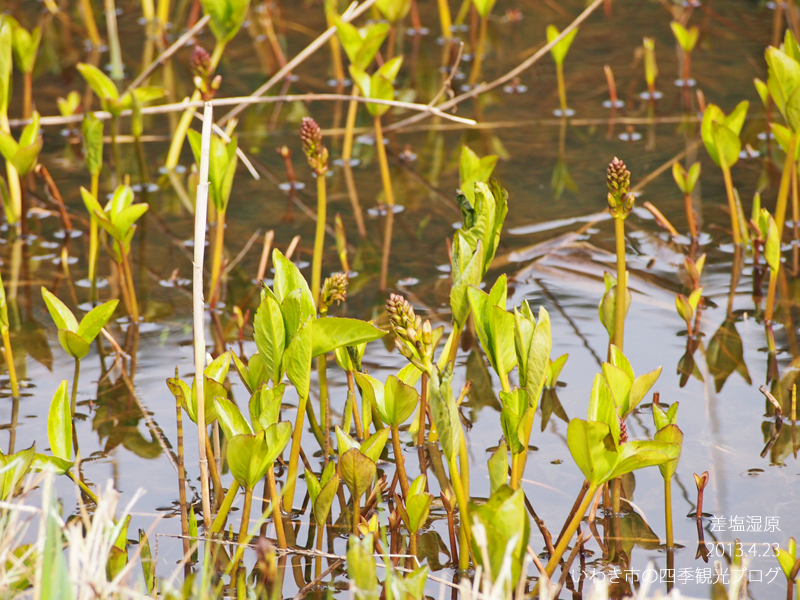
x,y
276,508
74,399
27,84
562,89
687,199
400,462
668,510
318,562
622,284
148,10
12,370
789,167
445,19
90,23
478,56
294,456
356,513
83,486
737,234
182,479
216,261
350,124
224,509
388,192
126,268
356,415
319,238
423,409
243,526
569,532
94,241
176,145
461,500
115,148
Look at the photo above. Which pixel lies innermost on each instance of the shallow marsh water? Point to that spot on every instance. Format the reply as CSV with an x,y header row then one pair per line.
x,y
726,429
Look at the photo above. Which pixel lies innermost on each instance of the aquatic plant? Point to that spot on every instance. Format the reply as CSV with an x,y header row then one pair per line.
x,y
668,432
559,53
620,204
686,181
317,155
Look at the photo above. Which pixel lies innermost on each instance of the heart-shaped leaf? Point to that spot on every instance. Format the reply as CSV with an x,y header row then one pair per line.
x,y
73,344
230,418
357,471
559,51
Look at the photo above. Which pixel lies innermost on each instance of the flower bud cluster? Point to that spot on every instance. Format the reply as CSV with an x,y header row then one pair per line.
x,y
620,202
203,73
334,289
315,151
414,337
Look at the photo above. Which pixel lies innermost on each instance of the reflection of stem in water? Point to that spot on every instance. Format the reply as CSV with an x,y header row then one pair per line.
x,y
387,190
562,90
478,54
445,19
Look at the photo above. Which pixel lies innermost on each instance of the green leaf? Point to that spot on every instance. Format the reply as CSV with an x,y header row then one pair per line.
x,y
592,448
59,423
265,406
603,408
467,272
679,175
501,338
418,507
297,359
505,522
727,144
31,131
73,344
357,471
344,442
559,51
374,444
8,146
227,17
251,455
523,334
686,38
92,130
13,468
401,401
538,367
101,84
148,564
445,413
640,454
230,418
512,419
641,386
498,467
394,10
324,500
772,248
361,569
91,204
96,319
786,559
330,333
361,45
484,7
270,336
670,434
288,279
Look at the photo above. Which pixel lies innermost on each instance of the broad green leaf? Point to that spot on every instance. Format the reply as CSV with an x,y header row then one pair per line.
x,y
538,366
618,359
330,333
344,442
401,401
73,344
251,455
786,558
25,159
227,17
297,359
357,471
288,279
639,454
464,278
361,569
512,419
727,144
59,423
772,247
641,386
230,418
8,146
31,131
523,334
670,434
484,7
498,467
418,508
504,519
270,336
473,169
324,500
687,38
148,564
501,338
602,407
95,320
374,444
13,468
445,414
217,369
619,384
101,84
559,51
265,405
361,45
592,448
394,10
